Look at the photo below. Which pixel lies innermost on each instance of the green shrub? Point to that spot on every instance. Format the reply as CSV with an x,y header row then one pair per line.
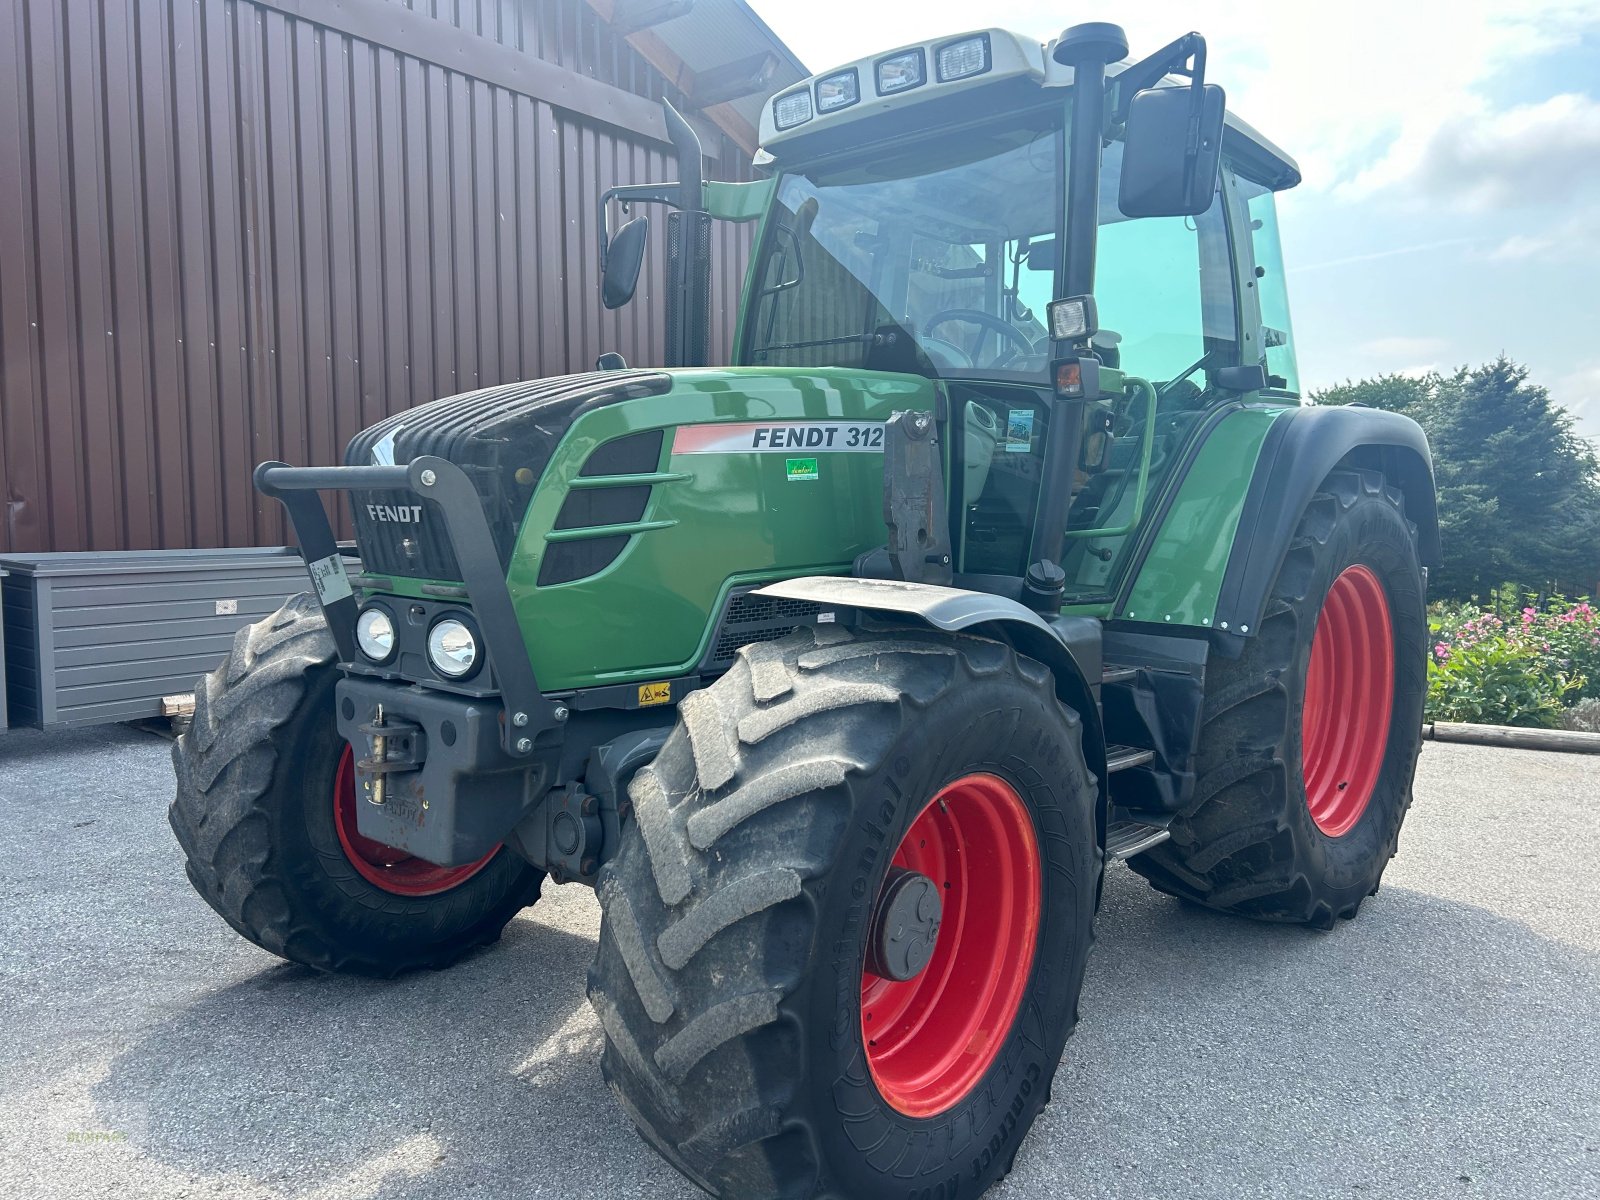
x,y
1505,665
1494,683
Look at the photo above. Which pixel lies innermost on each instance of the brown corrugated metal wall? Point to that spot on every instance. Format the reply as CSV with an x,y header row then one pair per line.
x,y
238,230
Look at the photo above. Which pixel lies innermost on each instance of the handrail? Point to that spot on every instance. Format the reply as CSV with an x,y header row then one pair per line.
x,y
1147,445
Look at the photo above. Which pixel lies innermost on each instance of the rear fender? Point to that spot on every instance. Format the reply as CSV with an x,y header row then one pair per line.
x,y
1300,450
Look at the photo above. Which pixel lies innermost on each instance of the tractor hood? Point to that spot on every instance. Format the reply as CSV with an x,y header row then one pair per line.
x,y
505,438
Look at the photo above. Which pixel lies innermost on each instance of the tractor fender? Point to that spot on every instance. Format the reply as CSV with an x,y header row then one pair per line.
x,y
1300,450
1069,646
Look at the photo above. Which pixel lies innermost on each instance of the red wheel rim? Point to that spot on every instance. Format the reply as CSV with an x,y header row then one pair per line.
x,y
931,1038
1344,728
384,866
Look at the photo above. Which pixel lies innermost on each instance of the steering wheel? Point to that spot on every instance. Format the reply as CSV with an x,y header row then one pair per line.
x,y
976,316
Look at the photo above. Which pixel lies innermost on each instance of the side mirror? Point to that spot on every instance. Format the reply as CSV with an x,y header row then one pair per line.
x,y
624,257
1172,151
1249,378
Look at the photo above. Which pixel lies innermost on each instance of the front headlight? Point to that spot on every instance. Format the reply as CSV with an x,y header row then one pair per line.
x,y
375,634
453,648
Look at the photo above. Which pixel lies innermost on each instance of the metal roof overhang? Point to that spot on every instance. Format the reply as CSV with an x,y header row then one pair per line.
x,y
718,52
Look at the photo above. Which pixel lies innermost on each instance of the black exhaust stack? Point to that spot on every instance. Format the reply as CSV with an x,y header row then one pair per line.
x,y
1087,49
688,252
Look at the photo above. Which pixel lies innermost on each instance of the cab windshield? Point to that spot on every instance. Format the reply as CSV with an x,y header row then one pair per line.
x,y
938,256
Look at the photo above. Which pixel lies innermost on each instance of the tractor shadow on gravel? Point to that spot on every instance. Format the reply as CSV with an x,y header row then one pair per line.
x,y
438,1083
1212,1051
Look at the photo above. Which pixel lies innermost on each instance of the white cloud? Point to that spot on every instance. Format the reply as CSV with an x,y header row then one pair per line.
x,y
1519,246
1418,370
1395,348
1577,237
1579,392
1530,155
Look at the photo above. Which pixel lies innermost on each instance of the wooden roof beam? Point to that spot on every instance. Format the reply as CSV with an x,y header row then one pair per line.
x,y
630,16
655,52
733,80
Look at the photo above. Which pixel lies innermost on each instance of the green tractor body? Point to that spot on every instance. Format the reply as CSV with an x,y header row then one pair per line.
x,y
1005,547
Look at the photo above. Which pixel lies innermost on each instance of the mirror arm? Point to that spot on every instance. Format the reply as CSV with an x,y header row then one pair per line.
x,y
1172,59
631,193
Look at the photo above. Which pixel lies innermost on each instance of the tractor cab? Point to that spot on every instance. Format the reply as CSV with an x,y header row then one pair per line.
x,y
920,218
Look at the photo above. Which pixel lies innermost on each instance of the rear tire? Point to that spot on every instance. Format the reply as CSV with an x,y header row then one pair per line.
x,y
255,815
1256,840
730,978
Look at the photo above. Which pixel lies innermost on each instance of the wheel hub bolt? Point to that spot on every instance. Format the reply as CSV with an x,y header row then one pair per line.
x,y
905,925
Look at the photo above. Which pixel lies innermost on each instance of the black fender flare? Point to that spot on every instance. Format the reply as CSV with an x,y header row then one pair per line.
x,y
1299,452
1069,646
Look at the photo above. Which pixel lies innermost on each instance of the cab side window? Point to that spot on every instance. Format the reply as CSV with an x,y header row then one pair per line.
x,y
1266,291
1164,288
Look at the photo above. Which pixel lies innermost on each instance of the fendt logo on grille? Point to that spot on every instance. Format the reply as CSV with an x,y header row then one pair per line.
x,y
409,514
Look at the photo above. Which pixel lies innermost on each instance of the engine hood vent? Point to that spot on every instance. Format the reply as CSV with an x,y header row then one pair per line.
x,y
501,436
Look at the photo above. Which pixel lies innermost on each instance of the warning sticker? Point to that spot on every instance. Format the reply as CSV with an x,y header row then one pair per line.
x,y
753,437
329,578
800,468
655,693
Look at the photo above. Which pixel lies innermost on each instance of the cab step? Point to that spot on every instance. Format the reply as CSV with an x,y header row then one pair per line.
x,y
1121,758
1125,838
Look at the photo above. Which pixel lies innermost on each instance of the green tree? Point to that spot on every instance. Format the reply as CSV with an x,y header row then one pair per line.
x,y
1396,393
1519,495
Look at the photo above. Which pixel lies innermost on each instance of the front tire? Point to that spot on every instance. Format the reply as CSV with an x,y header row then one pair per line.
x,y
265,813
1309,739
746,1035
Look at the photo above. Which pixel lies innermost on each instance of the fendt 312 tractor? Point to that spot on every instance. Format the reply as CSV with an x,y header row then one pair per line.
x,y
1005,549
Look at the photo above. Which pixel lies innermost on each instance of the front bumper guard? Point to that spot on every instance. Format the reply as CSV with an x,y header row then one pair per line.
x,y
527,712
457,773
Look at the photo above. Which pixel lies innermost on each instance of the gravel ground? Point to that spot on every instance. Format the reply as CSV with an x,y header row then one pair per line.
x,y
1447,1043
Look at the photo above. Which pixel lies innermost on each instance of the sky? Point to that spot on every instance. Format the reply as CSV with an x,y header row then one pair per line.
x,y
1451,153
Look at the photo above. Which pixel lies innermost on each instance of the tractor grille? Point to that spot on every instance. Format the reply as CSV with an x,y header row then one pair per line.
x,y
501,436
749,618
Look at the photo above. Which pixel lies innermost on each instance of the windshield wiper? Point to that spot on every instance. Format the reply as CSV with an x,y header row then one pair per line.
x,y
868,339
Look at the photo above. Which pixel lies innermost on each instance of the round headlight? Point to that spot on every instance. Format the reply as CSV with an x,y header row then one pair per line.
x,y
452,648
375,634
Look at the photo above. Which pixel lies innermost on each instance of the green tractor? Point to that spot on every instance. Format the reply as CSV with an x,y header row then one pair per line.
x,y
1005,549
